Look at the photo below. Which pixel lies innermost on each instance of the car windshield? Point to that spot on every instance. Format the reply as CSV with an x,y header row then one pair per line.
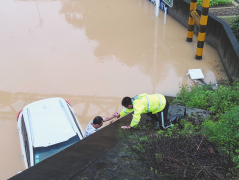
x,y
41,153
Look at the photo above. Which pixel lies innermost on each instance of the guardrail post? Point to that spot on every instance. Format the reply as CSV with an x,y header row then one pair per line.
x,y
165,13
157,8
202,28
191,22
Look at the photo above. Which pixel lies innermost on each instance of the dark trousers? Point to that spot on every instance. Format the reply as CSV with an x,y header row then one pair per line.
x,y
162,117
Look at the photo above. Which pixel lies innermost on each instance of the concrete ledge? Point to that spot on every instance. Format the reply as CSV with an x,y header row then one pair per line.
x,y
219,35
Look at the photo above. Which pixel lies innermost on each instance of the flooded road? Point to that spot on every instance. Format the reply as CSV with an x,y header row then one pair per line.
x,y
91,53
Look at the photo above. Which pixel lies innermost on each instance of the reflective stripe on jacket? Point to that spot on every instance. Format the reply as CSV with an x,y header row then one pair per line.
x,y
144,103
125,111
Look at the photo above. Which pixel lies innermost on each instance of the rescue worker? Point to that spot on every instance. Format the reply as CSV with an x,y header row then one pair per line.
x,y
155,105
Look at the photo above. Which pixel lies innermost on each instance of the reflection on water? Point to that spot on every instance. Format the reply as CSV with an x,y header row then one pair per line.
x,y
140,40
91,53
85,106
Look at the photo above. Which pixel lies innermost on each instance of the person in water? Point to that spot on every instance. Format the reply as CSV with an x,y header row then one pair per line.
x,y
155,105
96,123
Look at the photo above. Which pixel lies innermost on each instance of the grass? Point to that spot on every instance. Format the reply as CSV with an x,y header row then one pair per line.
x,y
233,22
223,126
228,19
216,2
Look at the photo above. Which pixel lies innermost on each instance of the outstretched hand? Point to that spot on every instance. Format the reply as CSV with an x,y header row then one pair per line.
x,y
116,114
126,127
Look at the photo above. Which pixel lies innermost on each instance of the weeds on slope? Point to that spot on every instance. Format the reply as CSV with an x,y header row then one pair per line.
x,y
181,152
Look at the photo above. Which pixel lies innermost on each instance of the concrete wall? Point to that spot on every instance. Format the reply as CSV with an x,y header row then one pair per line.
x,y
218,34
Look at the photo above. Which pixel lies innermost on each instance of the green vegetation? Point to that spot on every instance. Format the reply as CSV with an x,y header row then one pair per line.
x,y
216,2
218,102
222,127
235,27
225,133
234,23
228,19
187,147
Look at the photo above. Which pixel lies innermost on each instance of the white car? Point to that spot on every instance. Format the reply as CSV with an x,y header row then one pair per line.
x,y
46,127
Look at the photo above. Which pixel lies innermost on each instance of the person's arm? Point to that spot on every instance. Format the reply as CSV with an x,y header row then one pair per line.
x,y
136,117
116,114
125,112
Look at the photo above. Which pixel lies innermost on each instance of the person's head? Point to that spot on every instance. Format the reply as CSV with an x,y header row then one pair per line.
x,y
127,102
98,122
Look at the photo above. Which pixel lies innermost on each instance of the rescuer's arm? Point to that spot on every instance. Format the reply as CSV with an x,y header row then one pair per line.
x,y
136,117
125,112
116,114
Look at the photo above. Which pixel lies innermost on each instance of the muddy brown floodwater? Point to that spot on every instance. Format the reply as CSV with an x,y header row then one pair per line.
x,y
91,53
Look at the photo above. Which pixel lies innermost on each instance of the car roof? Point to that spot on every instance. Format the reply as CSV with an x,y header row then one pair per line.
x,y
49,122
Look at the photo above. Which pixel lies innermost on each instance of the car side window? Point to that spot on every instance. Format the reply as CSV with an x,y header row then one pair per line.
x,y
75,120
25,141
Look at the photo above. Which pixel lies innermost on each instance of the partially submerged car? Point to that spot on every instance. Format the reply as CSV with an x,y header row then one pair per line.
x,y
46,127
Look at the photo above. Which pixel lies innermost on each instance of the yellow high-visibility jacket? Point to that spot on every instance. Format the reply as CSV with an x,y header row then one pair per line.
x,y
125,111
144,103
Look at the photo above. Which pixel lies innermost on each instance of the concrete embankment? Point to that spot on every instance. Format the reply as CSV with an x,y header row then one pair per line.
x,y
218,34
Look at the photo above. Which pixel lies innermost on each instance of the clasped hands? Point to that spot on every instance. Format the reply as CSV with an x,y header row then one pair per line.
x,y
115,114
